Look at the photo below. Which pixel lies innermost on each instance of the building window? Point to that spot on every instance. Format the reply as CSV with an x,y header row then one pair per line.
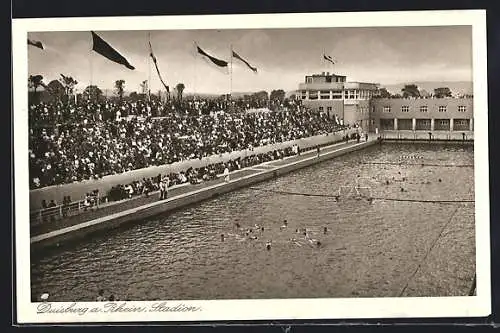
x,y
313,95
309,79
329,108
373,109
320,109
324,94
462,108
405,108
337,95
443,122
387,109
423,108
442,108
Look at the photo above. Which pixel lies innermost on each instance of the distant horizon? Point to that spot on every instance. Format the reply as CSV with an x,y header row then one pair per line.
x,y
190,93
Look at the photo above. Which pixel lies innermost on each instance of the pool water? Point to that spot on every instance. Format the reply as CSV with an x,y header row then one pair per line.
x,y
402,243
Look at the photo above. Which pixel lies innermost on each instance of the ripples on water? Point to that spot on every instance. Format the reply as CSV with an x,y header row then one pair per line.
x,y
370,250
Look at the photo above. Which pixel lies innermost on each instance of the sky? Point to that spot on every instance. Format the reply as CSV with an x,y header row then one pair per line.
x,y
385,55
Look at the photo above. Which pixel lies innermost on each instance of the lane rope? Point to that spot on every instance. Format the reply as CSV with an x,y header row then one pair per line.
x,y
373,198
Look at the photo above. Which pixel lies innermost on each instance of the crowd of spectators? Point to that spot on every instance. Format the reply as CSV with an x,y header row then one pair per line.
x,y
193,175
75,142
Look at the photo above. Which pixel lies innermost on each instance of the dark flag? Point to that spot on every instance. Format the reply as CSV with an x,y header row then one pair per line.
x,y
328,58
235,55
215,61
156,65
35,43
104,49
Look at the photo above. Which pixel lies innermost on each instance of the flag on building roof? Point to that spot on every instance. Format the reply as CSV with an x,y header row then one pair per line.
x,y
35,43
235,55
221,64
104,49
328,58
151,54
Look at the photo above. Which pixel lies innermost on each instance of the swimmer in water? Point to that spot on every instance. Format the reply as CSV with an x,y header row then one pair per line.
x,y
387,182
325,230
285,225
262,229
237,225
222,237
318,243
268,245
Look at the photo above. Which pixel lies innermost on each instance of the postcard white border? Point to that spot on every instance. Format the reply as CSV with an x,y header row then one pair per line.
x,y
285,309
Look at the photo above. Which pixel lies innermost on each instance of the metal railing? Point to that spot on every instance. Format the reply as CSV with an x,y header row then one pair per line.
x,y
62,211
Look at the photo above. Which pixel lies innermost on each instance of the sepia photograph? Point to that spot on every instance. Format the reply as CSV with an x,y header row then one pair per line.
x,y
330,165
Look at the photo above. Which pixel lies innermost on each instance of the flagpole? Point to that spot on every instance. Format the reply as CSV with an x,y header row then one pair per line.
x,y
149,69
231,75
91,74
324,60
91,69
195,89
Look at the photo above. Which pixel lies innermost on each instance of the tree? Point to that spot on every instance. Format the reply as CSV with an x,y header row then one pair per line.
x,y
69,84
383,93
277,95
442,92
120,88
92,93
410,90
35,81
180,89
261,95
134,96
56,89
